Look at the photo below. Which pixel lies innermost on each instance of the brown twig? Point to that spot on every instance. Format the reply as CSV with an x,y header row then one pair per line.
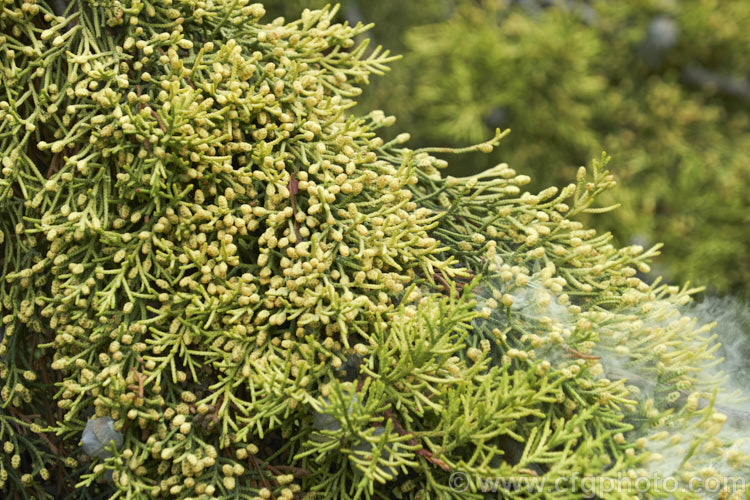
x,y
263,478
426,454
578,354
279,469
141,379
444,283
158,120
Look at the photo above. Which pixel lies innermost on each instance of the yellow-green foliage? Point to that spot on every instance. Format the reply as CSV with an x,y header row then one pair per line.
x,y
208,260
579,77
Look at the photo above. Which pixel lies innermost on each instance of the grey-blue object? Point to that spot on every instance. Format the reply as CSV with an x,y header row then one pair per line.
x,y
737,88
98,435
497,117
324,421
662,35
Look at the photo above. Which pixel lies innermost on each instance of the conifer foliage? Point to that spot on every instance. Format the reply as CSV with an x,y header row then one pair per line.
x,y
217,282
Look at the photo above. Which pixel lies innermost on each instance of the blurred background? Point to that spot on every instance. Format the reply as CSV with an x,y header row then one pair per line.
x,y
663,86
